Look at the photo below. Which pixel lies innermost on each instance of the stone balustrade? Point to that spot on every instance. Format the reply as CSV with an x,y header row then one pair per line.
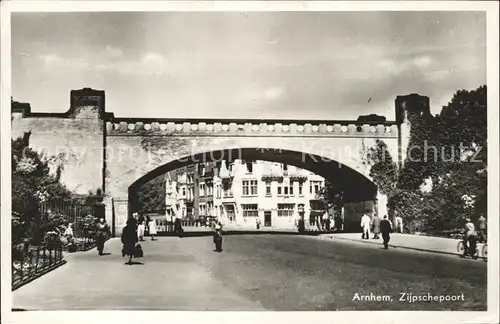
x,y
251,129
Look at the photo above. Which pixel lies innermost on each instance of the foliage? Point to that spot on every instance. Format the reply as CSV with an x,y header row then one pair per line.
x,y
331,196
409,205
450,150
88,225
32,180
383,171
151,195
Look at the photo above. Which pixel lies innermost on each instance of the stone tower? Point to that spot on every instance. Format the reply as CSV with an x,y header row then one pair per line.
x,y
410,110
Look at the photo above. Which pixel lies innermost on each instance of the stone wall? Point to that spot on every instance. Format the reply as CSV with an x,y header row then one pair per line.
x,y
79,142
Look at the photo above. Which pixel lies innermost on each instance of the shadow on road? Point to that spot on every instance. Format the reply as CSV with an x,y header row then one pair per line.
x,y
134,263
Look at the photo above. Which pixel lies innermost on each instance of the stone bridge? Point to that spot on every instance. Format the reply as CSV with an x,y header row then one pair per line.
x,y
118,154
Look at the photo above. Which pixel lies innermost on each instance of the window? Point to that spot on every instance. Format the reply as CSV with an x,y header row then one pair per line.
x,y
183,191
300,188
291,188
230,212
249,187
228,192
202,189
315,187
250,210
268,188
286,190
218,191
279,190
285,210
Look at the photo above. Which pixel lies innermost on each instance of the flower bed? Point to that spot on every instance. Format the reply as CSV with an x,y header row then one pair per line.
x,y
32,263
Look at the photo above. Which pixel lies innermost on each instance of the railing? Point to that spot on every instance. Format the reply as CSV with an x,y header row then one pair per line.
x,y
33,262
73,212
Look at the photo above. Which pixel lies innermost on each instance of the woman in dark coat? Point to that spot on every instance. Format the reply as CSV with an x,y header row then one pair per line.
x,y
129,240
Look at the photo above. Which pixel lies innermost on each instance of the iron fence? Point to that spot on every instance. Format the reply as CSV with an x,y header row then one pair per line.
x,y
74,213
32,262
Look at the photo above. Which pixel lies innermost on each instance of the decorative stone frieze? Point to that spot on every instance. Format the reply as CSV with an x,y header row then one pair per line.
x,y
262,128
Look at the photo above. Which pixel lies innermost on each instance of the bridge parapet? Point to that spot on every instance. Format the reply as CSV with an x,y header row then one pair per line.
x,y
254,128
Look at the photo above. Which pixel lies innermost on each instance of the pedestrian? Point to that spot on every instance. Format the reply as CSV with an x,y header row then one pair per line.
x,y
365,225
328,222
140,228
399,224
178,226
338,222
217,236
482,229
102,233
152,228
257,223
324,220
386,229
68,234
129,240
470,238
301,226
146,230
69,230
376,227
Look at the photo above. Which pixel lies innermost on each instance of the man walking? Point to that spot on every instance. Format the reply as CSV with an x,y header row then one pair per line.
x,y
482,230
385,229
365,225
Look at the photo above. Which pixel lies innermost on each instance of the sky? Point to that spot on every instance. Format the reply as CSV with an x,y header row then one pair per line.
x,y
290,65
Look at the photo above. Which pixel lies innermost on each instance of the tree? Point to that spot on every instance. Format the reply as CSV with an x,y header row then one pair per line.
x,y
331,196
383,171
151,195
32,180
453,155
33,183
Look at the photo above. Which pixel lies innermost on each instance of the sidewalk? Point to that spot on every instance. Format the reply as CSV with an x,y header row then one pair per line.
x,y
407,241
168,277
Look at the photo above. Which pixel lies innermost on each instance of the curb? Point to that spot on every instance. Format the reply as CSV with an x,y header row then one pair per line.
x,y
394,246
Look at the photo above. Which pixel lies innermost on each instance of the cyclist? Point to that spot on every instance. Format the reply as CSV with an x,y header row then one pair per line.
x,y
469,238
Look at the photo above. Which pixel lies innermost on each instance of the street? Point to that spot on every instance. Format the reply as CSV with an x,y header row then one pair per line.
x,y
257,272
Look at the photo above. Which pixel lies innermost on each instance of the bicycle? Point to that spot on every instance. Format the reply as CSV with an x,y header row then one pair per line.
x,y
485,251
462,251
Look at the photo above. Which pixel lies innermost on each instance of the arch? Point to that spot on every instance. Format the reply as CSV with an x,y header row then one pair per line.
x,y
355,185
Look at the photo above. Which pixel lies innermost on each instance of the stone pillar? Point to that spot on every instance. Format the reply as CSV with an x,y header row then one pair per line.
x,y
109,213
382,205
120,208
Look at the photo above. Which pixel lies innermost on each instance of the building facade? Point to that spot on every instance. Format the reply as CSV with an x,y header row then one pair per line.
x,y
239,193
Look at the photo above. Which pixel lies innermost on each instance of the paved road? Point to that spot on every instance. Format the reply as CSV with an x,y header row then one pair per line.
x,y
257,272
